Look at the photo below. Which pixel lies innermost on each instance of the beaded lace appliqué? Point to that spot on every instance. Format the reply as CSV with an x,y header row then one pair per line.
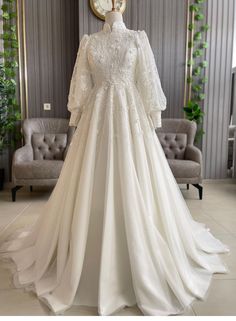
x,y
117,58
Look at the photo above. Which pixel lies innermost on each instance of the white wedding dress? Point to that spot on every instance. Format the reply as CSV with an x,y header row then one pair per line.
x,y
116,230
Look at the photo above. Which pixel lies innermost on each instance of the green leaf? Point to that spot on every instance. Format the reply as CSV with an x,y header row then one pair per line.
x,y
187,108
199,1
205,27
7,64
6,27
196,108
7,44
10,73
6,15
12,15
204,45
191,104
15,44
15,64
190,62
13,82
203,80
190,44
199,16
196,88
4,8
194,8
11,64
8,54
198,36
204,64
193,111
197,53
6,36
13,28
191,26
202,96
13,36
189,80
197,71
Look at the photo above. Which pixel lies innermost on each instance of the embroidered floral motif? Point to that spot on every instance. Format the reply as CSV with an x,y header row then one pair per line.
x,y
116,60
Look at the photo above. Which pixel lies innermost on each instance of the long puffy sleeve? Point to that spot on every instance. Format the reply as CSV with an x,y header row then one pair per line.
x,y
81,83
148,81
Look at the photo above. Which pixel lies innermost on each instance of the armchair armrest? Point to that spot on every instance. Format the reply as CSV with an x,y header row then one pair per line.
x,y
22,154
71,131
193,153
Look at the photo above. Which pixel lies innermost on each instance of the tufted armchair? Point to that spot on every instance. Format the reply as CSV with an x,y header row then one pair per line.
x,y
40,160
176,137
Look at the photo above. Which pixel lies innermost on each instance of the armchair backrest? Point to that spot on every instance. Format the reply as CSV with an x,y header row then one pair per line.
x,y
175,135
48,137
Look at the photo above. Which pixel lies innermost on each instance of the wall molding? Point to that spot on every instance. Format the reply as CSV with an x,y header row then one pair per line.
x,y
22,53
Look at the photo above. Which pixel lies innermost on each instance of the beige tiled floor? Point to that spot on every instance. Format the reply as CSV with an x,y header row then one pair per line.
x,y
217,210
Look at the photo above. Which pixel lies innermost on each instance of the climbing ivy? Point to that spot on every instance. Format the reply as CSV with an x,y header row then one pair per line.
x,y
196,65
9,107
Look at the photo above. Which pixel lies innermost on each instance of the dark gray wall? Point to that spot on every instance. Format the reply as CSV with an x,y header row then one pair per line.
x,y
52,40
165,24
220,16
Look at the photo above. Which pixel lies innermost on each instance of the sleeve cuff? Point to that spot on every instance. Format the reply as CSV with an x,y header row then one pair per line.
x,y
74,118
156,118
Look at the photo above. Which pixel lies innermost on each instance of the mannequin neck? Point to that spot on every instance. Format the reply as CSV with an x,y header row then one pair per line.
x,y
113,16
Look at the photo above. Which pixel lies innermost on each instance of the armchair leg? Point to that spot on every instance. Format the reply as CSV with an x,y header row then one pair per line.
x,y
200,190
13,192
31,188
187,186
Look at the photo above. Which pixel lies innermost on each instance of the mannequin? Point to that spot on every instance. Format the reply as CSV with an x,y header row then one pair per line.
x,y
110,17
113,15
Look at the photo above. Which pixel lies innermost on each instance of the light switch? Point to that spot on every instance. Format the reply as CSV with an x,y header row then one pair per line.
x,y
47,106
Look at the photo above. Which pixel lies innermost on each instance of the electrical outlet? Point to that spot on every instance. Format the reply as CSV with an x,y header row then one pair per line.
x,y
47,106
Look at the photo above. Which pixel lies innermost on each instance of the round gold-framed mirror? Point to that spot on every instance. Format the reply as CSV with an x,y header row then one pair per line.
x,y
101,7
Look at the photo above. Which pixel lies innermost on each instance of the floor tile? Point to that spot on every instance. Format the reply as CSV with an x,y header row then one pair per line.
x,y
5,278
188,312
228,258
18,302
220,300
215,227
128,311
86,311
81,311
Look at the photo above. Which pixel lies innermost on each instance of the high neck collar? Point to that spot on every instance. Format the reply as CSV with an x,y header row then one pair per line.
x,y
116,26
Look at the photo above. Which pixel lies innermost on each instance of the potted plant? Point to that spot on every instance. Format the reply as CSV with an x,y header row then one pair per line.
x,y
9,108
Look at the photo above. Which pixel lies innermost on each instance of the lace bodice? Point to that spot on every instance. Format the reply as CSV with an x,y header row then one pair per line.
x,y
116,57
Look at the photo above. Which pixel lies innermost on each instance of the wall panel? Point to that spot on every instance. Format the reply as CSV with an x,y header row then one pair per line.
x,y
220,17
51,46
